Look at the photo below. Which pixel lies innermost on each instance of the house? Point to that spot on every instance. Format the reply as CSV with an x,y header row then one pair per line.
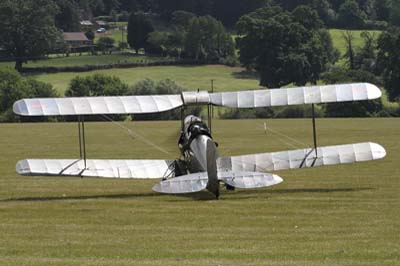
x,y
77,41
87,25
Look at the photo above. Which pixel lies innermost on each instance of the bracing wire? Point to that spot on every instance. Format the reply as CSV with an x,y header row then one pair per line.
x,y
135,135
290,141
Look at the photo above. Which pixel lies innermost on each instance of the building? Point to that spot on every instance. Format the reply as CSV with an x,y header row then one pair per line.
x,y
77,41
87,25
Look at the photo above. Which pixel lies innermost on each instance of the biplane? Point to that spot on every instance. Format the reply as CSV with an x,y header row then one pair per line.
x,y
200,166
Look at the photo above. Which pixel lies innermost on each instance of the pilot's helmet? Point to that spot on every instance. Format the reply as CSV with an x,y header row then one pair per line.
x,y
190,119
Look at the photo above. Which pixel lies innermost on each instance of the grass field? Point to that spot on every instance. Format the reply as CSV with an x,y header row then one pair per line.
x,y
117,34
191,77
339,215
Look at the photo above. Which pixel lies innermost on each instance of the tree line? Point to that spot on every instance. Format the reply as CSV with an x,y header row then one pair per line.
x,y
335,13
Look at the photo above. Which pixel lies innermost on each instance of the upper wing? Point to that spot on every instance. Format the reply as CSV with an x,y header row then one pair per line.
x,y
266,162
97,105
95,168
295,96
161,103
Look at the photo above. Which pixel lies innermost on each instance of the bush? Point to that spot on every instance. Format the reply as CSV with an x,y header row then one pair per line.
x,y
343,75
14,87
105,44
231,60
96,85
354,109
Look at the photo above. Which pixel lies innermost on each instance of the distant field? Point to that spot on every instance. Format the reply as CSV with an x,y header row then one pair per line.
x,y
358,42
191,77
117,34
338,215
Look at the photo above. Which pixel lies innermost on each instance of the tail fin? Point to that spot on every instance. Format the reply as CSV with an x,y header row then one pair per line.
x,y
212,156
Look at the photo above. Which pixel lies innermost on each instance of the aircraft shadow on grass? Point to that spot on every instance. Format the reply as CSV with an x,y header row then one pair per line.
x,y
201,196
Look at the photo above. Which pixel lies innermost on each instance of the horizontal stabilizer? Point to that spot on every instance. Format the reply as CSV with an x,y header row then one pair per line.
x,y
94,168
296,96
183,184
295,159
249,179
97,105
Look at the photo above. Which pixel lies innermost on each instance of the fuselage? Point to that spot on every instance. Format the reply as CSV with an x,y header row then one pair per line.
x,y
193,144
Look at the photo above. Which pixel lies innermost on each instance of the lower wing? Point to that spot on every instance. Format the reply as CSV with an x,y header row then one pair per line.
x,y
95,168
295,159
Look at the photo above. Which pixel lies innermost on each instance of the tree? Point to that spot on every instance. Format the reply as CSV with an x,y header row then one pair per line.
x,y
96,85
105,44
350,15
350,53
14,87
229,11
90,35
181,18
93,7
139,28
207,39
388,61
164,43
284,47
67,18
395,13
27,28
110,5
365,59
382,9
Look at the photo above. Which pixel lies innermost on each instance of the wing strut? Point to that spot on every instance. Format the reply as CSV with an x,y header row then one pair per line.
x,y
82,139
182,118
209,111
314,130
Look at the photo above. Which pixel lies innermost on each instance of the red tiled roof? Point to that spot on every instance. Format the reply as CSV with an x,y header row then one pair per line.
x,y
75,36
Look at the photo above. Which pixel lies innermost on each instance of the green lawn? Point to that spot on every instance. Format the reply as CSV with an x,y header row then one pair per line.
x,y
117,34
191,77
338,215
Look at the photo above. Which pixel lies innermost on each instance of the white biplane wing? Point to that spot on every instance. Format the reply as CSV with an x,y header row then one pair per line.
x,y
303,158
97,105
161,103
296,96
94,168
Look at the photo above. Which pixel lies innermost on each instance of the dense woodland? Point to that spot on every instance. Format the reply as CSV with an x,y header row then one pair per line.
x,y
281,42
335,13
